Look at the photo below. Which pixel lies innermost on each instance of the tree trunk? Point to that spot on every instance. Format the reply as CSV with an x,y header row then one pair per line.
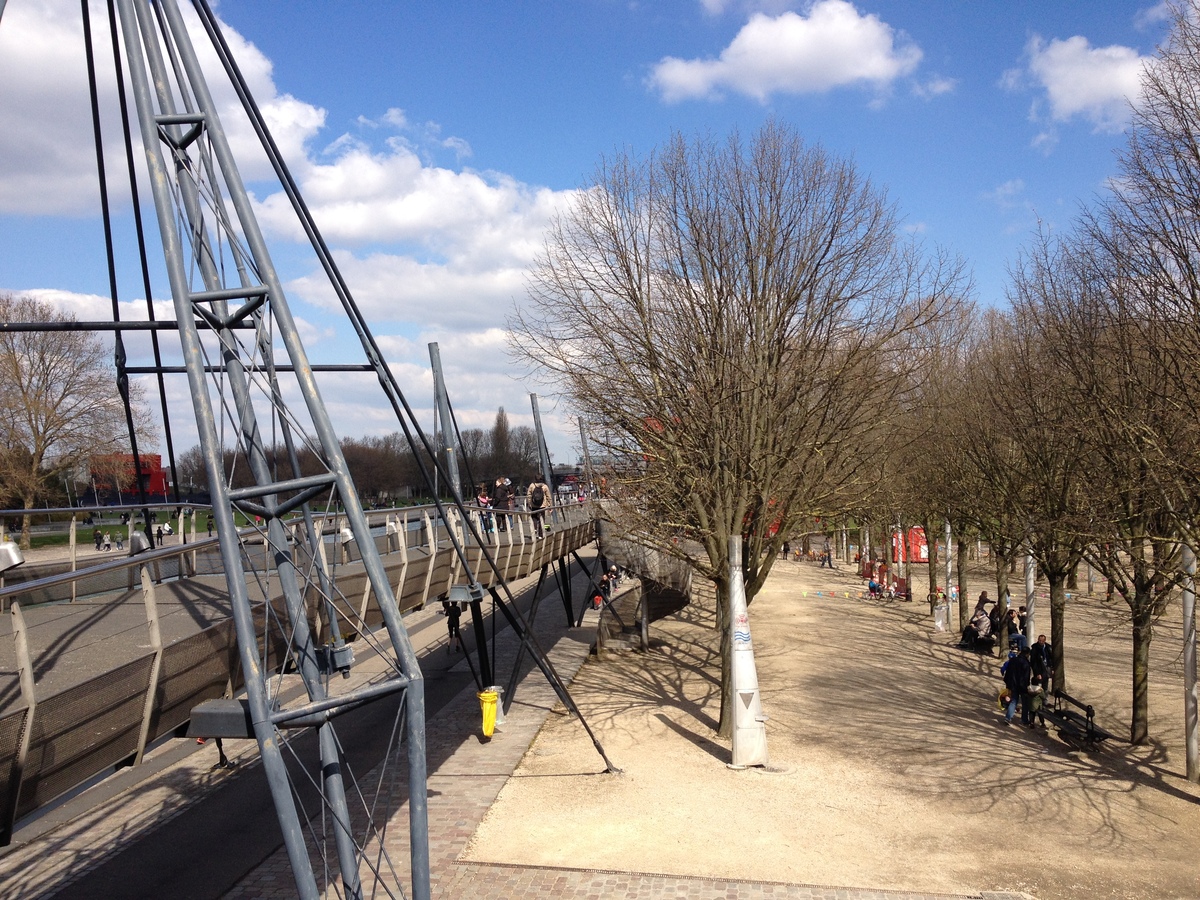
x,y
1073,578
1002,561
964,615
904,551
1143,631
725,726
26,523
931,542
1058,606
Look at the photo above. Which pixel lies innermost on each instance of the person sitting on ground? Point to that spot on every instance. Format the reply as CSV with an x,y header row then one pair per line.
x,y
1016,637
873,589
997,619
979,629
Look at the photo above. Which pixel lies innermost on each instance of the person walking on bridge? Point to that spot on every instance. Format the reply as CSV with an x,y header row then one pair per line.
x,y
502,499
539,500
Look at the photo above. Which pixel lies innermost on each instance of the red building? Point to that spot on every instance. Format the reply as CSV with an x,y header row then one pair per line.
x,y
917,550
115,478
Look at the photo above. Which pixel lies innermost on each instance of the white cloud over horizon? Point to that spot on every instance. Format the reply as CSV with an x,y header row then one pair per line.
x,y
833,45
1078,82
427,249
47,148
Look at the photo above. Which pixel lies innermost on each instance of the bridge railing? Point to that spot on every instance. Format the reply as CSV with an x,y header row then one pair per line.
x,y
92,682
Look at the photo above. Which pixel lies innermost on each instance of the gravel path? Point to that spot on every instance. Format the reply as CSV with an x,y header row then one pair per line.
x,y
889,766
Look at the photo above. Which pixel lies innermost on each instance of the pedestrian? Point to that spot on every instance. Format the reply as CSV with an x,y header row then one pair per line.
x,y
98,537
1041,659
1017,673
453,613
107,542
120,540
158,534
1037,696
539,499
827,554
502,498
210,525
484,502
787,549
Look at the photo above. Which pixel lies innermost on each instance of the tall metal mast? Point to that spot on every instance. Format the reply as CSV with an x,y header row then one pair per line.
x,y
222,276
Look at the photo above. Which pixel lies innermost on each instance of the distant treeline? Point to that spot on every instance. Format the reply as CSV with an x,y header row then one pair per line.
x,y
385,468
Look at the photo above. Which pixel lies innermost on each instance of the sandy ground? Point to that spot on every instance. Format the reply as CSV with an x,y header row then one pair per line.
x,y
890,767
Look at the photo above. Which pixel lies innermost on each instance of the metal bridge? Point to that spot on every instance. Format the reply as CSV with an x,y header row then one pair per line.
x,y
274,608
97,665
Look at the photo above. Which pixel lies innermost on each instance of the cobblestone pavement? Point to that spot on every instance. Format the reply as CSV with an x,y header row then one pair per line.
x,y
466,775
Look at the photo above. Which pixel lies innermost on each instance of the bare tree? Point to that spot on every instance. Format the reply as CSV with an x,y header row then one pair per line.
x,y
1019,462
59,403
1133,429
501,444
732,320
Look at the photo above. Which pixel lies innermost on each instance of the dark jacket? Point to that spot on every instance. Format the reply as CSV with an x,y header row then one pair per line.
x,y
502,496
1041,656
1016,675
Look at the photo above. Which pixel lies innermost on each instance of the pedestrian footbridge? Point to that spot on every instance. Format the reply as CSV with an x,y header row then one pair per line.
x,y
99,663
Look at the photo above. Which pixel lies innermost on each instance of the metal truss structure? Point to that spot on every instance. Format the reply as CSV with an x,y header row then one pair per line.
x,y
254,393
262,422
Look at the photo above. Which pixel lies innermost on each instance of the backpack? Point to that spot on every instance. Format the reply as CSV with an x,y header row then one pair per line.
x,y
538,495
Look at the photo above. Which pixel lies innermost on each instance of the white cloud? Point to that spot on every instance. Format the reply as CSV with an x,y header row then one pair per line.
x,y
935,87
1153,15
1096,84
391,287
832,46
1007,195
47,150
445,246
417,242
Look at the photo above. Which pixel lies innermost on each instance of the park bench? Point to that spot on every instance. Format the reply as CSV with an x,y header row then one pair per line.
x,y
1075,722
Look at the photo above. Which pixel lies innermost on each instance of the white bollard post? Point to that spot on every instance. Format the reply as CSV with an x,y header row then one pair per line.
x,y
1030,594
749,730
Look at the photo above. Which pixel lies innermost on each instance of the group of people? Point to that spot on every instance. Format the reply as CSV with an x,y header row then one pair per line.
x,y
104,541
825,557
1028,675
495,510
1028,671
985,625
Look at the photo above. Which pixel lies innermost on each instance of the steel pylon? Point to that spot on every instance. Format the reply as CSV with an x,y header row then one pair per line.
x,y
258,411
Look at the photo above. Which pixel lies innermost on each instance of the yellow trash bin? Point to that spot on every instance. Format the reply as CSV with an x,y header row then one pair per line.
x,y
487,704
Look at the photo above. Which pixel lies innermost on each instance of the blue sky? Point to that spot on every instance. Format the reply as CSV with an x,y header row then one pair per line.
x,y
434,141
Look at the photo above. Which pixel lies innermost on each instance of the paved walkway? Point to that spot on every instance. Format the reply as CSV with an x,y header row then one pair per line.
x,y
464,782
